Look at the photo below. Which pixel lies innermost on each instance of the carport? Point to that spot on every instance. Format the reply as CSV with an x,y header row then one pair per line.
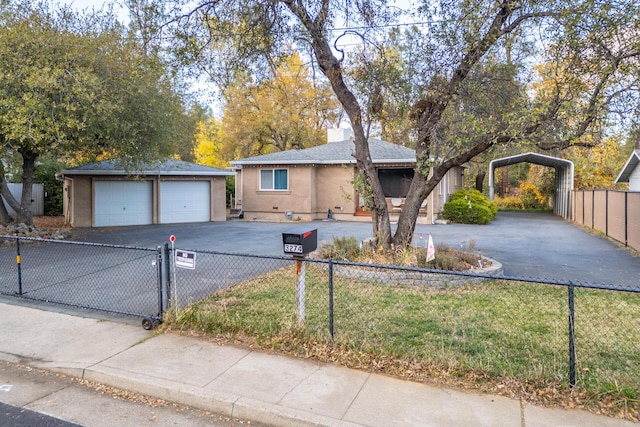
x,y
563,180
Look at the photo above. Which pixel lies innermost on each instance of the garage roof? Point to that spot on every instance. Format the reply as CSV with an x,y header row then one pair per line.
x,y
169,167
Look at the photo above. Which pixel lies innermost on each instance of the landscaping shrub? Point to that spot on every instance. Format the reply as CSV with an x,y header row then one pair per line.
x,y
508,202
469,206
531,196
446,257
343,248
527,197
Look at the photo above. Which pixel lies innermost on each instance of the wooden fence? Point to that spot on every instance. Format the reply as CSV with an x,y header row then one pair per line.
x,y
37,198
614,213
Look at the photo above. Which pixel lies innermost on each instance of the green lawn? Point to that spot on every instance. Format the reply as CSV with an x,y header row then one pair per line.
x,y
504,331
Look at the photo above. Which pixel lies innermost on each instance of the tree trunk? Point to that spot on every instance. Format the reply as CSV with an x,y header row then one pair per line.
x,y
418,191
480,180
423,184
5,218
23,208
331,67
428,113
6,194
504,185
24,214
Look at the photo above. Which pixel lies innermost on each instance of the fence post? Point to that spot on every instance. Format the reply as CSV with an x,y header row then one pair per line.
x,y
583,218
626,218
606,213
331,298
19,262
159,281
167,277
300,289
572,349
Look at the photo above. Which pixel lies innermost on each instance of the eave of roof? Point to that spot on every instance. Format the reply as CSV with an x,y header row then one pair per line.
x,y
163,168
333,153
629,167
317,162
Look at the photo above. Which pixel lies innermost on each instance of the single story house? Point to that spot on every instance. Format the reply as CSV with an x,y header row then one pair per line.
x,y
103,194
317,182
630,172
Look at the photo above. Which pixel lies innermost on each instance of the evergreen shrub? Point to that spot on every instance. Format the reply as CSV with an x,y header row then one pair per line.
x,y
469,206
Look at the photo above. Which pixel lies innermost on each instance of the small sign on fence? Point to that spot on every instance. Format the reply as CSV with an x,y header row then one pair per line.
x,y
185,259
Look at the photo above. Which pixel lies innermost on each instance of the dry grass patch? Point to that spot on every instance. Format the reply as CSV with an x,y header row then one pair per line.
x,y
49,222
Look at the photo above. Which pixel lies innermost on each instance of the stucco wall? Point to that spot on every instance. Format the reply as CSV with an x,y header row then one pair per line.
x,y
335,190
81,201
314,189
78,207
272,204
218,199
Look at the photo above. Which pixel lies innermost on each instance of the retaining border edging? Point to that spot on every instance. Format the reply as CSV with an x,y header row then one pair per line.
x,y
420,278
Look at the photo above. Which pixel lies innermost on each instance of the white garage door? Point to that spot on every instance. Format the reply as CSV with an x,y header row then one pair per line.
x,y
184,201
123,203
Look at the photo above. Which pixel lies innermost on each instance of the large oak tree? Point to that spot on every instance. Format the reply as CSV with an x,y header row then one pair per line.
x,y
458,51
75,88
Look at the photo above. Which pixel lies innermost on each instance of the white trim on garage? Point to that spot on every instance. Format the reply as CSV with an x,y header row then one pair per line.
x,y
185,201
123,203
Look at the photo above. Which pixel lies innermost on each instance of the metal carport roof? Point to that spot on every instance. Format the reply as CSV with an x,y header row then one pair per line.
x,y
563,181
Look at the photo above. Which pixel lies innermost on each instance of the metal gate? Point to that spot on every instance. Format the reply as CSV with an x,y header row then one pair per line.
x,y
110,278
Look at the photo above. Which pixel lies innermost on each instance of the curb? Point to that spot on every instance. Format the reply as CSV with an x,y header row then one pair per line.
x,y
224,404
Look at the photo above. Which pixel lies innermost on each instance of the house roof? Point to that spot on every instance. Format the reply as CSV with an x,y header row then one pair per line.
x,y
628,167
164,167
338,152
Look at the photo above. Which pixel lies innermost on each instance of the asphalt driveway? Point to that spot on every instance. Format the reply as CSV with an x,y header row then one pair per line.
x,y
528,245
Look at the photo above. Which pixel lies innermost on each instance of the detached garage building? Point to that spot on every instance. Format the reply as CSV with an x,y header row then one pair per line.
x,y
103,194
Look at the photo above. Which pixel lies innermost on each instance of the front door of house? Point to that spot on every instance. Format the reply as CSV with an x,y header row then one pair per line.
x,y
361,209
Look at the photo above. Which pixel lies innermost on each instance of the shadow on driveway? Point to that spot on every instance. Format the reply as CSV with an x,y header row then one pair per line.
x,y
531,245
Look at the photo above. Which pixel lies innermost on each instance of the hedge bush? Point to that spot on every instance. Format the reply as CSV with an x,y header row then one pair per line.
x,y
469,206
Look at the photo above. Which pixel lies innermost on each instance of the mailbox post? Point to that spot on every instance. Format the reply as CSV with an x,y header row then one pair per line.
x,y
299,245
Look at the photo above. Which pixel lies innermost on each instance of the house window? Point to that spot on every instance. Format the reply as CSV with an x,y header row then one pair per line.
x,y
274,179
395,182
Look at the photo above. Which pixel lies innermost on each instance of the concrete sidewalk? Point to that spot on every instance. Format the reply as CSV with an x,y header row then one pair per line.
x,y
252,385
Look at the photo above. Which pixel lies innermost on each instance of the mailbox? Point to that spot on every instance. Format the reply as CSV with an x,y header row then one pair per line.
x,y
300,243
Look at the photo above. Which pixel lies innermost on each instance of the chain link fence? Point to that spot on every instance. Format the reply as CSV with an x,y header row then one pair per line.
x,y
529,329
108,278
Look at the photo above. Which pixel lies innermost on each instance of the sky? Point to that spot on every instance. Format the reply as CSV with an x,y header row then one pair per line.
x,y
81,5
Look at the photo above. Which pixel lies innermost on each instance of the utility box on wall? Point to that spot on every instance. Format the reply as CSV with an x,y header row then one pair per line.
x,y
300,243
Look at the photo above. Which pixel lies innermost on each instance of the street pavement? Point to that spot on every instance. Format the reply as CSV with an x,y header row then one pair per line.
x,y
32,397
532,245
232,381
